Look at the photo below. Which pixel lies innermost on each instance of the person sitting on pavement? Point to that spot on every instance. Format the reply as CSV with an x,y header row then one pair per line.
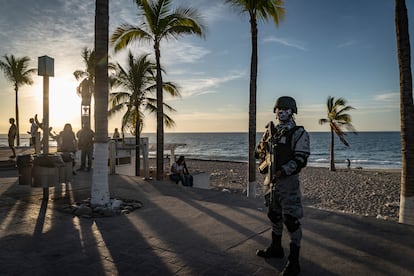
x,y
179,172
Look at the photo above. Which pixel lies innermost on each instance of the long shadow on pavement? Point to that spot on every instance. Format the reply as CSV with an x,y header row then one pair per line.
x,y
348,242
187,236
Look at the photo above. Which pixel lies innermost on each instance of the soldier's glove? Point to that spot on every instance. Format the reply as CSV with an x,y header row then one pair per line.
x,y
278,174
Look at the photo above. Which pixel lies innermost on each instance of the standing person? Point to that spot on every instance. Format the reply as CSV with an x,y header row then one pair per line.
x,y
67,143
32,132
12,136
284,150
179,172
85,144
116,134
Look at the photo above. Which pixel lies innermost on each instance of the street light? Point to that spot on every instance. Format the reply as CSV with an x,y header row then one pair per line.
x,y
46,69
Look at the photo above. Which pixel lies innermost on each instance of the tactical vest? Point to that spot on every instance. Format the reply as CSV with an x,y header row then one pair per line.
x,y
283,147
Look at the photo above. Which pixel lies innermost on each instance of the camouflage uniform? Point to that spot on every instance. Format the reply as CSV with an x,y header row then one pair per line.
x,y
290,151
283,150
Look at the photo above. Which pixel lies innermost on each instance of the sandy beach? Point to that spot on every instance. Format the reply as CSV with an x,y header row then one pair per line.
x,y
365,192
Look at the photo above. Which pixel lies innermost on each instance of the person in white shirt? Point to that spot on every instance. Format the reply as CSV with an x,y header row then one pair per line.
x,y
179,172
32,132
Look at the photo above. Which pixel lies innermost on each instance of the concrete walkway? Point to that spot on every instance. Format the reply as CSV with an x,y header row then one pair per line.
x,y
182,231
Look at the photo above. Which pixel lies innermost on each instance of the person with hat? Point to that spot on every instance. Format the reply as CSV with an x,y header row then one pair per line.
x,y
283,151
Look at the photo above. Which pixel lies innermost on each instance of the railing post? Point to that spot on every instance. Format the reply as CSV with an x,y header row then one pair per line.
x,y
144,147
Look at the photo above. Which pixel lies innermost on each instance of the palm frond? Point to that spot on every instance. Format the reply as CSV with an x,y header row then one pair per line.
x,y
323,121
16,70
126,34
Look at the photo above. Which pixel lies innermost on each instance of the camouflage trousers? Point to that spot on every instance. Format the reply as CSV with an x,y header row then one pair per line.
x,y
285,206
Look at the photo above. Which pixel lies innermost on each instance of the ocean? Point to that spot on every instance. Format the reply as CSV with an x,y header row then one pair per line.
x,y
375,150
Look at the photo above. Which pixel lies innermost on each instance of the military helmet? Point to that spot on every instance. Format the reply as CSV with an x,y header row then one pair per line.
x,y
286,102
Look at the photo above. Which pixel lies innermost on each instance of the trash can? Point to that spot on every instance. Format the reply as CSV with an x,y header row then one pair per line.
x,y
46,170
24,163
65,172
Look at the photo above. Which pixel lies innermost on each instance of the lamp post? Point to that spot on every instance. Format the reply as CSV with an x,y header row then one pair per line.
x,y
46,69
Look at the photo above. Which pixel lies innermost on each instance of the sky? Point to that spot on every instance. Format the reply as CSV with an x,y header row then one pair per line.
x,y
322,48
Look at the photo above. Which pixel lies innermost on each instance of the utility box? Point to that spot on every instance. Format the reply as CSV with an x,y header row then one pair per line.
x,y
24,165
46,170
45,66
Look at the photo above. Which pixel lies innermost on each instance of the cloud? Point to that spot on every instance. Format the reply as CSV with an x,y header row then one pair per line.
x,y
195,86
213,13
173,53
388,97
56,28
182,52
347,43
286,42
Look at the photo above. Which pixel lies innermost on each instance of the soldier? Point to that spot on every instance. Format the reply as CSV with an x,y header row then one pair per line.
x,y
283,150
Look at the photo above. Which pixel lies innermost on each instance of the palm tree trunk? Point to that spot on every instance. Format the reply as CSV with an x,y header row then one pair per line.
x,y
407,114
16,89
160,116
332,154
100,187
251,189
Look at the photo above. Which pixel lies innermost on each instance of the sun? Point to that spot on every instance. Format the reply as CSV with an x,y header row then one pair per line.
x,y
64,103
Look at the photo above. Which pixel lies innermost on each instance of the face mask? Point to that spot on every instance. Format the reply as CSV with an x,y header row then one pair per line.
x,y
284,115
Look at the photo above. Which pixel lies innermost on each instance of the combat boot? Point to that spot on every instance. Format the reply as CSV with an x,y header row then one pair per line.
x,y
292,268
275,250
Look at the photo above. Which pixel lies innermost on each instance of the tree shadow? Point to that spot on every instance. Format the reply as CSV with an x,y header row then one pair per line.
x,y
182,232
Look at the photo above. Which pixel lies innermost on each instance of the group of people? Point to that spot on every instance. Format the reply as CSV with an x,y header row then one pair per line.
x,y
13,133
67,141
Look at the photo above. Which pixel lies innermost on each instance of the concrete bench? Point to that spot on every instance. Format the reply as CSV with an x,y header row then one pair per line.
x,y
201,180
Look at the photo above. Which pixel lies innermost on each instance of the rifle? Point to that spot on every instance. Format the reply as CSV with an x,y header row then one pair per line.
x,y
265,149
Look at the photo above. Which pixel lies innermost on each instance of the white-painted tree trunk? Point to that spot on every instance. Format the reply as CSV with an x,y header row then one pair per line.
x,y
100,187
251,191
406,210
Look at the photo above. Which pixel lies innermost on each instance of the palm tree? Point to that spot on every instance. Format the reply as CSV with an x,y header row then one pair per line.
x,y
256,10
337,118
160,22
100,187
87,77
407,114
88,57
17,72
139,81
